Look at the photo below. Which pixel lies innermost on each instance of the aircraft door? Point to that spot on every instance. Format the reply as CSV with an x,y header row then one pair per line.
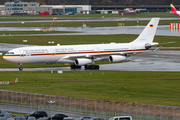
x,y
22,53
28,54
53,52
97,50
133,48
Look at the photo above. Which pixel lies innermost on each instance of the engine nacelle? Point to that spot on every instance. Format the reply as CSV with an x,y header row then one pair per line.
x,y
82,61
116,58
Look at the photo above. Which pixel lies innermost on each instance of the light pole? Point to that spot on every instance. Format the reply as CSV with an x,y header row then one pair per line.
x,y
51,102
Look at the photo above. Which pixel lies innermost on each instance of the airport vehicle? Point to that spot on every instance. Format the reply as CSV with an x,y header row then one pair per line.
x,y
174,11
9,116
20,117
121,118
84,118
3,112
3,118
57,117
31,118
68,118
96,118
43,118
84,55
37,114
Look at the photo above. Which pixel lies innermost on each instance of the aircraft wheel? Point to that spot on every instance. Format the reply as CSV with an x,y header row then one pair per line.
x,y
79,67
91,67
72,66
20,68
97,67
75,67
86,66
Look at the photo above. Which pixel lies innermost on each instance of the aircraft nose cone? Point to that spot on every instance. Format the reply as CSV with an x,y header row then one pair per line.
x,y
4,57
10,59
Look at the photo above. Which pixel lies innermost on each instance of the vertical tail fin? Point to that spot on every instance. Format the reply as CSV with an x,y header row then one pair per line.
x,y
147,35
173,9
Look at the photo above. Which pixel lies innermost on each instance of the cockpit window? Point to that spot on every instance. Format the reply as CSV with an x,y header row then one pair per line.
x,y
10,53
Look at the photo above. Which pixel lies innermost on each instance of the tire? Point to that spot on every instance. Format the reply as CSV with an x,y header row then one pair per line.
x,y
20,68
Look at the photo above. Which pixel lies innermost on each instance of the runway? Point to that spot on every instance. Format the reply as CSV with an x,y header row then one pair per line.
x,y
163,30
148,61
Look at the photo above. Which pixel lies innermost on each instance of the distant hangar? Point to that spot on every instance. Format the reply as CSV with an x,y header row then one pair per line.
x,y
34,8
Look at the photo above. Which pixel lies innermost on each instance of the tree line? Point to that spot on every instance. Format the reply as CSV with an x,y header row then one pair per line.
x,y
100,2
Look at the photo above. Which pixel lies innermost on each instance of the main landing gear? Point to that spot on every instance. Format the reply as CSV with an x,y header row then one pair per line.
x,y
87,67
75,67
20,66
92,67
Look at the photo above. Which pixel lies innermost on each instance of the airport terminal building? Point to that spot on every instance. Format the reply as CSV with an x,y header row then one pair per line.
x,y
34,8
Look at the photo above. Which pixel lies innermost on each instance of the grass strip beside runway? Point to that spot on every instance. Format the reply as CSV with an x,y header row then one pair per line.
x,y
161,88
85,39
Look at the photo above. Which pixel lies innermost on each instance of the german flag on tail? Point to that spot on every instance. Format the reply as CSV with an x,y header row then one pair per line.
x,y
151,25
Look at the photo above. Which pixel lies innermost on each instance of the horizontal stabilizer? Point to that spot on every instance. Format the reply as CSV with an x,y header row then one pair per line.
x,y
158,44
157,49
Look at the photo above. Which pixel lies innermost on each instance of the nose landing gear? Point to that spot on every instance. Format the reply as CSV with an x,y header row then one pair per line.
x,y
20,66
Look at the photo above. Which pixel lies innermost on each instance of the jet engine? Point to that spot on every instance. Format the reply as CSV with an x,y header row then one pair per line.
x,y
116,58
82,61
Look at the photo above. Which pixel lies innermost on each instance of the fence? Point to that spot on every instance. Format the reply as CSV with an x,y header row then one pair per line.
x,y
92,107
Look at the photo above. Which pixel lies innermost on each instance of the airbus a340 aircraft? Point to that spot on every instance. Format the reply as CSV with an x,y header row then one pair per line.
x,y
79,55
174,11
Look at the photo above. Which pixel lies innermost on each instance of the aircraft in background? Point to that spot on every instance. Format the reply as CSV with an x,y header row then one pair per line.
x,y
84,55
174,11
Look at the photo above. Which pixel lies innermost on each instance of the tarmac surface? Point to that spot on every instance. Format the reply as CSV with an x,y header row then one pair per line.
x,y
163,30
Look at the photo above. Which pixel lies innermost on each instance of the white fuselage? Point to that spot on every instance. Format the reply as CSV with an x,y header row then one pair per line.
x,y
68,53
178,13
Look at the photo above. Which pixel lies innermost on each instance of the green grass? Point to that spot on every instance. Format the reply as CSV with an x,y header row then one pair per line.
x,y
161,88
84,39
